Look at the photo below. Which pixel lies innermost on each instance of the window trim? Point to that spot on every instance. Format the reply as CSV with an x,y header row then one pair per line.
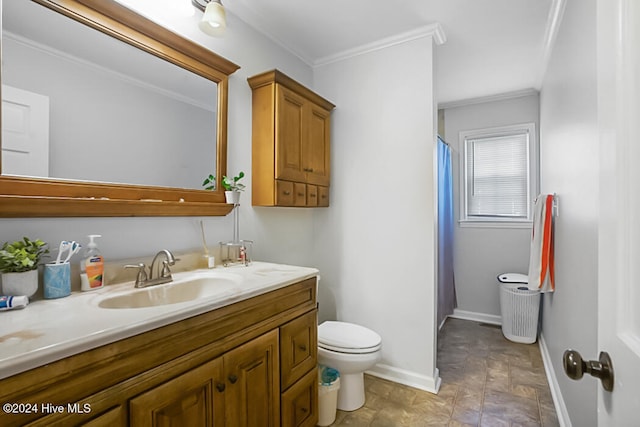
x,y
496,222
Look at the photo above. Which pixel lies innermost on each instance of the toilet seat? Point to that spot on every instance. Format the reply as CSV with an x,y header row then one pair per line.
x,y
343,337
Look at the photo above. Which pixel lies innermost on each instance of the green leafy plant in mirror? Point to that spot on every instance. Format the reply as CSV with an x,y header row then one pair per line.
x,y
209,183
233,184
22,255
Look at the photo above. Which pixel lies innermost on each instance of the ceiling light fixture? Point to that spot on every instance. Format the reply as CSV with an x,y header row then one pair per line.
x,y
214,20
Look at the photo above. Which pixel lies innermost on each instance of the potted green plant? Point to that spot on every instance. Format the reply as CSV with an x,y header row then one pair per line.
x,y
233,187
19,266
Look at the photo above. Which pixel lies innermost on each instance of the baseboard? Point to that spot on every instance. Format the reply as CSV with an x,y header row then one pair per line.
x,y
552,379
411,379
478,317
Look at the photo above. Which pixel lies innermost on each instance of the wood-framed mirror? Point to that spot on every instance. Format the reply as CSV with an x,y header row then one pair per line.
x,y
57,191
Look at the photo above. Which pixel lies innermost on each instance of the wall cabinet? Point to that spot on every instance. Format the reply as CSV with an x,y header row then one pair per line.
x,y
291,143
249,364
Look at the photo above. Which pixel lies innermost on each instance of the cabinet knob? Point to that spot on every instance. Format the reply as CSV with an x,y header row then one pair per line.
x,y
312,195
302,347
233,379
220,387
300,194
286,193
304,410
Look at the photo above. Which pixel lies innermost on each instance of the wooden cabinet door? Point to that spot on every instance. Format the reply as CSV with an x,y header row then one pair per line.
x,y
252,383
298,348
192,399
290,133
316,145
300,402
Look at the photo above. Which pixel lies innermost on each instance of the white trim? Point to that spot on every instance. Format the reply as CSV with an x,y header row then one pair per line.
x,y
490,98
409,378
554,19
491,319
552,379
434,30
495,224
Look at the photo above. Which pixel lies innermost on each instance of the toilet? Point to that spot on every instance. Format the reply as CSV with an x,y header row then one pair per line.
x,y
351,349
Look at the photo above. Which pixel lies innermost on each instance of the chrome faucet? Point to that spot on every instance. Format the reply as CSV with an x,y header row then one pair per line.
x,y
143,280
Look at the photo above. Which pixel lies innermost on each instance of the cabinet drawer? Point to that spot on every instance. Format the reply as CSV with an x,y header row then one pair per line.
x,y
284,193
299,404
323,196
298,348
300,190
312,195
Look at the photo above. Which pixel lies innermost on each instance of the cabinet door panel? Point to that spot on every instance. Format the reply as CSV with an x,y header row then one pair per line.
x,y
188,400
251,372
316,149
289,135
300,402
298,348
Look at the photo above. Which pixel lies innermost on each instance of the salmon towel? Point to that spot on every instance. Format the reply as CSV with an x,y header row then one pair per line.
x,y
541,267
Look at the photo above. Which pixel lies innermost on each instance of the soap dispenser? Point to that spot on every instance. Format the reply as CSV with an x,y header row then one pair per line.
x,y
91,266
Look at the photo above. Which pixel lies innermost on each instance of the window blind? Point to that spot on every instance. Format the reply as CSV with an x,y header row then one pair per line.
x,y
497,176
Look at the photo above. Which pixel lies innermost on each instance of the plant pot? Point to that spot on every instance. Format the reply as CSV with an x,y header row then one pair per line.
x,y
232,197
25,283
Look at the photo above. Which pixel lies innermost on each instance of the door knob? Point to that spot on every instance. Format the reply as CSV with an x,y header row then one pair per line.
x,y
575,367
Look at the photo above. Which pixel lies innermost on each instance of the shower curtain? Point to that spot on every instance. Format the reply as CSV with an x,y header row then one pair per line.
x,y
446,283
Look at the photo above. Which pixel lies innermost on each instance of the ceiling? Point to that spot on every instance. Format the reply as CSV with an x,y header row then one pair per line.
x,y
492,46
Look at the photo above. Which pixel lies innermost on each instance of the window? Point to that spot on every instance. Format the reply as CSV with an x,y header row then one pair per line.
x,y
498,175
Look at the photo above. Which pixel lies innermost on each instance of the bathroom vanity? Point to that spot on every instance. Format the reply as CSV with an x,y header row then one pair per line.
x,y
245,356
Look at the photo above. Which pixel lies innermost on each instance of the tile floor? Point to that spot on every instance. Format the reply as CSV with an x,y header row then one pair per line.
x,y
486,381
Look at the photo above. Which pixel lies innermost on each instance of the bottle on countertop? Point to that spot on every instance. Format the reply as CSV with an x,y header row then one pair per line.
x,y
91,266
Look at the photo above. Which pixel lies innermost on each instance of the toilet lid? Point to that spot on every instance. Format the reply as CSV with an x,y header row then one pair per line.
x,y
347,337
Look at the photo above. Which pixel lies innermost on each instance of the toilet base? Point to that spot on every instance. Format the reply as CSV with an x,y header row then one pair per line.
x,y
351,392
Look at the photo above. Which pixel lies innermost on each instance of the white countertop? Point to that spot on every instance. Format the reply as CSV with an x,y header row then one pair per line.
x,y
51,329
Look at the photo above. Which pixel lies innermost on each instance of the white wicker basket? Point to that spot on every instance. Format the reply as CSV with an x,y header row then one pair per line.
x,y
520,308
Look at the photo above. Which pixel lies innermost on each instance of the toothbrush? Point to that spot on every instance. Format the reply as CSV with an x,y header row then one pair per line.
x,y
64,245
75,248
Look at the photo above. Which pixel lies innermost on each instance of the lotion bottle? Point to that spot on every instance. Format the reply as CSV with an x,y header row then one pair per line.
x,y
91,266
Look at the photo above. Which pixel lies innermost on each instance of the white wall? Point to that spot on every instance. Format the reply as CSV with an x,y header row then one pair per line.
x,y
569,167
283,235
480,254
375,245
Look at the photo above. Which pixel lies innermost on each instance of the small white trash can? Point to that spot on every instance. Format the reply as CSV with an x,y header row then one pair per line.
x,y
520,307
328,386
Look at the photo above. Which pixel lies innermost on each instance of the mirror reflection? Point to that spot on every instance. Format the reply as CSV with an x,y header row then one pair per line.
x,y
80,105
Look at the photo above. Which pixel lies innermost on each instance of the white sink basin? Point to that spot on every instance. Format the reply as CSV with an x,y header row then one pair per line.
x,y
199,286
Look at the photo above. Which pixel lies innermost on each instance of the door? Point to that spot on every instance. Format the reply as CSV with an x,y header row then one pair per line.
x,y
252,383
289,135
316,149
25,133
194,398
619,231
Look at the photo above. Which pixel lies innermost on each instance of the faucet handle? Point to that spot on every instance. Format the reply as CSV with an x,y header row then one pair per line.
x,y
166,272
142,272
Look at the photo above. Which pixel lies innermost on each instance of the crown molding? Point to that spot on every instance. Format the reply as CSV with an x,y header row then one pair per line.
x,y
554,19
433,30
490,98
